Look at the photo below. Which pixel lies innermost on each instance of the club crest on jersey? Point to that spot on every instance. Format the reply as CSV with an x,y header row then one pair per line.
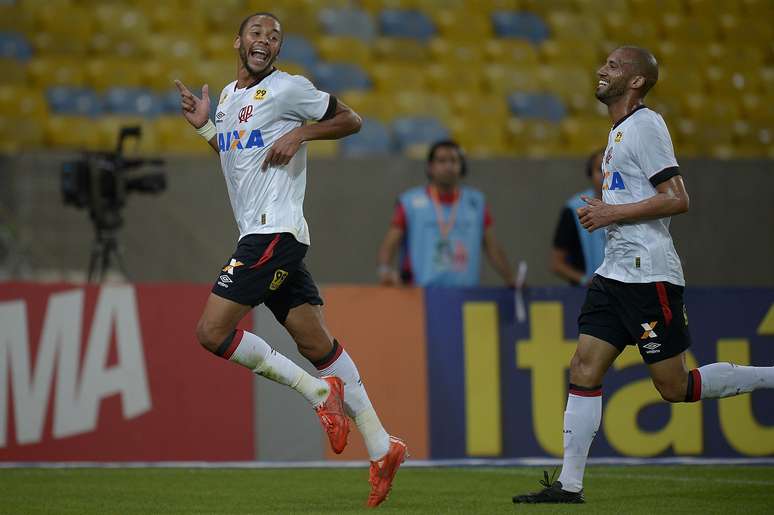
x,y
618,137
237,140
245,113
260,94
613,181
279,278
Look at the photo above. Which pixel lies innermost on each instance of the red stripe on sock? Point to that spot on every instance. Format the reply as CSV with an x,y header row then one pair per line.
x,y
332,360
664,300
696,393
234,344
268,253
586,393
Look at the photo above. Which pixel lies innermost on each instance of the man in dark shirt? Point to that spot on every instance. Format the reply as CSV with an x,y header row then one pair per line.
x,y
577,253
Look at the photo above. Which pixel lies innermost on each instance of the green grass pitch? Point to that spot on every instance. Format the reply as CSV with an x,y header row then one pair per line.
x,y
622,489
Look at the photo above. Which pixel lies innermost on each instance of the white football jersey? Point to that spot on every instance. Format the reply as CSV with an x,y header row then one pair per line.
x,y
248,122
638,157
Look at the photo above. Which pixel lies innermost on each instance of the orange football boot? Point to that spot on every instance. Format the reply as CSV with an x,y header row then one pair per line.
x,y
332,417
383,471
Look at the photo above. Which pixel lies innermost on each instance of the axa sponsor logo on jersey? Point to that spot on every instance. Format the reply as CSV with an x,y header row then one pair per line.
x,y
239,140
613,181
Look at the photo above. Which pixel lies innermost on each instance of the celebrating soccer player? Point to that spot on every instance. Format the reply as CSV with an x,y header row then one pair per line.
x,y
636,296
260,134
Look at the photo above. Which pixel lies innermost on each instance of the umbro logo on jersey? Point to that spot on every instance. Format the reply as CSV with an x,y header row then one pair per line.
x,y
649,330
236,140
613,181
229,268
245,113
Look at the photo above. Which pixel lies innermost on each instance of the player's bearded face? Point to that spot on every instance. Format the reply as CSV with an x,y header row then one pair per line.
x,y
259,44
612,78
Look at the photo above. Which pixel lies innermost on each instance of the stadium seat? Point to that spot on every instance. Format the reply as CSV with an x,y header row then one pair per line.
x,y
452,54
511,51
544,106
344,49
353,23
501,79
373,139
390,77
534,138
335,77
623,28
571,52
298,49
370,104
176,136
574,27
132,101
524,25
400,50
164,18
15,46
117,45
19,103
73,132
467,26
418,103
480,137
102,74
406,23
445,79
419,130
161,74
582,134
77,101
567,80
14,72
110,125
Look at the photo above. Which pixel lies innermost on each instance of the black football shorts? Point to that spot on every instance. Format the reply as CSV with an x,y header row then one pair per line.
x,y
649,315
269,269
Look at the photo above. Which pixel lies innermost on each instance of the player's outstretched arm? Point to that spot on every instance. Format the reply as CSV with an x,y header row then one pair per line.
x,y
197,111
344,122
671,198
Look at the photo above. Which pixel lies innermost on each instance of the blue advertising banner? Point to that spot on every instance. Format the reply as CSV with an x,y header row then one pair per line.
x,y
498,386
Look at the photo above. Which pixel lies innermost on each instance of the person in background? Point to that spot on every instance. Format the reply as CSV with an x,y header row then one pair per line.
x,y
441,229
577,253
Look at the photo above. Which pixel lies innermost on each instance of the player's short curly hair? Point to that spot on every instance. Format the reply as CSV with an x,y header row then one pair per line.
x,y
244,22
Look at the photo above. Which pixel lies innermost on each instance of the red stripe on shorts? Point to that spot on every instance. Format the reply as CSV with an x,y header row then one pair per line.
x,y
268,253
664,300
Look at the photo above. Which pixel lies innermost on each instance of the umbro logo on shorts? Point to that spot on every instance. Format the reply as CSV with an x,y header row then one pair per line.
x,y
652,347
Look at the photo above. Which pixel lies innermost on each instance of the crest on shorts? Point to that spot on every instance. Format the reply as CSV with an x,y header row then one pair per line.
x,y
260,94
279,277
649,332
229,268
618,137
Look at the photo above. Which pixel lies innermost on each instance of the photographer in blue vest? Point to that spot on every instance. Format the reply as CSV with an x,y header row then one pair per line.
x,y
441,229
576,252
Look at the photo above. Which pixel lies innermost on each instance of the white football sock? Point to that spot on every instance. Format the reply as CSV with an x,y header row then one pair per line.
x,y
254,353
581,422
357,403
720,380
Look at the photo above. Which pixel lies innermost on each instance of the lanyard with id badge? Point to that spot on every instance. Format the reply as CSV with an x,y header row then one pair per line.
x,y
443,258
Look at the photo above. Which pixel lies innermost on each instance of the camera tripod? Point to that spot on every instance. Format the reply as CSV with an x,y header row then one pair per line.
x,y
105,250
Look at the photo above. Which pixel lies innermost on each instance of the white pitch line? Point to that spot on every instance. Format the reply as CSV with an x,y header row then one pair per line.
x,y
470,462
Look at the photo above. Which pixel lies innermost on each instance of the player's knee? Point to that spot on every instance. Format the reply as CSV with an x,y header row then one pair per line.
x,y
671,391
209,335
582,371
